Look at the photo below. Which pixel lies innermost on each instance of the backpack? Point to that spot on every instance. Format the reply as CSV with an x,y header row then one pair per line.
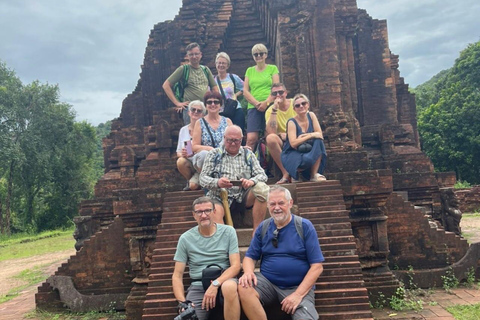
x,y
179,87
296,219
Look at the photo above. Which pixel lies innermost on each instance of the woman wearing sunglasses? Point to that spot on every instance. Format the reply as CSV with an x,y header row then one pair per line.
x,y
196,110
256,89
304,151
208,132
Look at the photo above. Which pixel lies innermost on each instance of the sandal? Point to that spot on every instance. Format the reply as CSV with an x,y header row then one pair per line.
x,y
283,180
318,177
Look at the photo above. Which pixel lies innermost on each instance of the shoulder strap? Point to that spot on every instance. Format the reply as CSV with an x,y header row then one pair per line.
x,y
265,225
298,225
186,73
248,159
296,219
209,132
233,81
219,82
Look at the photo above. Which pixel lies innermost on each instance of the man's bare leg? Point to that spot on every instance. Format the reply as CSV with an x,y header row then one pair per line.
x,y
231,309
275,145
258,211
251,305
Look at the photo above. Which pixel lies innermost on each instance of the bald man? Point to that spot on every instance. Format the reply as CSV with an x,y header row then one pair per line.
x,y
236,169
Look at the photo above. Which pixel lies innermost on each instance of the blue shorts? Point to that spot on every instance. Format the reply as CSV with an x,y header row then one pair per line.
x,y
255,120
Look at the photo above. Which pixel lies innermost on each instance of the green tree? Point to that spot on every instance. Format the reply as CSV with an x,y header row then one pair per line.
x,y
46,157
449,117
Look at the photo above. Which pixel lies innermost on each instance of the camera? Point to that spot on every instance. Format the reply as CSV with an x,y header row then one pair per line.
x,y
187,314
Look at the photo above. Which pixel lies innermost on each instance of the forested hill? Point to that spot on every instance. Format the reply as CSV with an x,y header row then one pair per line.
x,y
48,161
448,111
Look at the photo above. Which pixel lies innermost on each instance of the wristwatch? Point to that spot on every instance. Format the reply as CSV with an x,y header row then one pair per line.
x,y
215,283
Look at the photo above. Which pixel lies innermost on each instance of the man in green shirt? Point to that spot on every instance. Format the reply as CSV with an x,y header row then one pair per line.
x,y
199,79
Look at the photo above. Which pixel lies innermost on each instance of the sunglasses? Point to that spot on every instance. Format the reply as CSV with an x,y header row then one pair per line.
x,y
303,104
212,102
256,54
278,93
275,238
194,110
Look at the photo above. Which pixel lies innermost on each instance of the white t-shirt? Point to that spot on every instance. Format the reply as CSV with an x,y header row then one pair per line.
x,y
183,136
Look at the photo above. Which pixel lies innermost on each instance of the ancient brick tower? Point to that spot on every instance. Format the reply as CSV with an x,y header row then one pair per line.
x,y
338,56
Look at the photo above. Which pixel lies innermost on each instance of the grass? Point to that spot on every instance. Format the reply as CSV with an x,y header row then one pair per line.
x,y
471,215
25,245
465,312
45,315
29,277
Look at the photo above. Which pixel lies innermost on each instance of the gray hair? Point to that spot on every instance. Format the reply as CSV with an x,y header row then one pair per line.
x,y
223,55
197,103
278,188
192,46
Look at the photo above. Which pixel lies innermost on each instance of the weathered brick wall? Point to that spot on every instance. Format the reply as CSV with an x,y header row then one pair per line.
x,y
469,199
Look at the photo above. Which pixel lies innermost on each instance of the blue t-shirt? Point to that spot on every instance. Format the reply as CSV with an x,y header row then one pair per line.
x,y
286,265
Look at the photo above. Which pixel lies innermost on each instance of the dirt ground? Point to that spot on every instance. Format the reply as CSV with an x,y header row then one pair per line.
x,y
470,228
48,263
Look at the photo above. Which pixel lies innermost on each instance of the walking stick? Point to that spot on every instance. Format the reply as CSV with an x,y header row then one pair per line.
x,y
226,207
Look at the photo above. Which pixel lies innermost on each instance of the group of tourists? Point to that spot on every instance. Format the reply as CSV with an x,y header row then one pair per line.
x,y
292,133
213,154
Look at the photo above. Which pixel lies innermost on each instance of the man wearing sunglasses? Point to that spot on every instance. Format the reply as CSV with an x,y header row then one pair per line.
x,y
198,79
276,117
232,163
203,245
291,262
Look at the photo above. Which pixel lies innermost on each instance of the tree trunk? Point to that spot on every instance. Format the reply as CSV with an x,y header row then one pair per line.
x,y
9,197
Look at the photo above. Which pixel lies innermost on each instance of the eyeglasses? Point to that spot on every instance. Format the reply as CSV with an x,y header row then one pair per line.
x,y
194,110
212,102
194,54
221,63
200,212
256,54
275,238
278,93
303,104
233,141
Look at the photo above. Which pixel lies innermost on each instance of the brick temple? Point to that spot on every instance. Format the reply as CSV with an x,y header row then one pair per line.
x,y
374,215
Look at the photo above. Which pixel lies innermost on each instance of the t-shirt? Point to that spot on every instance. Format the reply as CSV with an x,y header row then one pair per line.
x,y
282,117
183,135
197,84
199,251
228,87
286,265
260,83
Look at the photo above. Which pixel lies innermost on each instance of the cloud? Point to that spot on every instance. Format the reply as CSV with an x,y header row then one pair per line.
x,y
94,49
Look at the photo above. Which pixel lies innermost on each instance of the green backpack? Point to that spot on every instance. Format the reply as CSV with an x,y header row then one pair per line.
x,y
179,87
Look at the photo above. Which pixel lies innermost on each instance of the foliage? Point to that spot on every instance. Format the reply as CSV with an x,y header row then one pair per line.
x,y
449,280
465,312
471,277
46,158
29,246
462,185
405,300
92,315
448,112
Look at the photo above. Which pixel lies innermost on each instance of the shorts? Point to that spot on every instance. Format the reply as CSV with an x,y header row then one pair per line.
x,y
255,120
198,159
195,294
270,293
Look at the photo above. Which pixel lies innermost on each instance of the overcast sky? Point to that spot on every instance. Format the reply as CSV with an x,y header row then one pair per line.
x,y
94,48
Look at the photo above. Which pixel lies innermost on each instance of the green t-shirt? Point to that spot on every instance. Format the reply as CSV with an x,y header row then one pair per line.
x,y
198,251
197,84
260,83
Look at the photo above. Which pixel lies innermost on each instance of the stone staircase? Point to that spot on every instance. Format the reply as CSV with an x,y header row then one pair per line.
x,y
340,291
